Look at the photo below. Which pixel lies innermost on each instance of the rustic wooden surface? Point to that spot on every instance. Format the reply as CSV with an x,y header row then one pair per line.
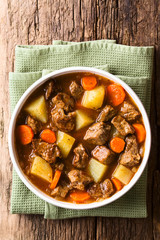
x,y
134,22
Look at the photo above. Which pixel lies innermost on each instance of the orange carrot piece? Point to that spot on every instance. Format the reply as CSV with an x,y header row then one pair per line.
x,y
48,136
117,144
79,196
89,82
140,132
25,134
118,185
55,179
115,94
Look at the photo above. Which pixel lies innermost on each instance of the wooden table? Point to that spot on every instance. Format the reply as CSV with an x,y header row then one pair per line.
x,y
133,22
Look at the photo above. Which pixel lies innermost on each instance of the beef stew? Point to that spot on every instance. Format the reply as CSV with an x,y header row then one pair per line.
x,y
80,138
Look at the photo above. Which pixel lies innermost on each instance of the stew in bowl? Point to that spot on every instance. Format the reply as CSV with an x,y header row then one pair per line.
x,y
80,138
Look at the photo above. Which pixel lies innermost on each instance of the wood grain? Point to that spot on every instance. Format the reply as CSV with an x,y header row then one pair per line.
x,y
134,22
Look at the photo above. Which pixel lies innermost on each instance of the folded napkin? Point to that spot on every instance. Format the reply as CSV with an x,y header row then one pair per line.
x,y
132,64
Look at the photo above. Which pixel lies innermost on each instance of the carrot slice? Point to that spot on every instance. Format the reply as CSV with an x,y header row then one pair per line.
x,y
79,196
118,185
117,144
55,179
115,94
140,132
89,82
25,134
48,136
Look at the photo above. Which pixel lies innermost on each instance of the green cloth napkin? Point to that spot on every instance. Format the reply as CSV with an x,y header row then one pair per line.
x,y
132,64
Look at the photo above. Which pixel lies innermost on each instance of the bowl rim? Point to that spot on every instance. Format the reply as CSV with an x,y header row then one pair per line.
x,y
13,153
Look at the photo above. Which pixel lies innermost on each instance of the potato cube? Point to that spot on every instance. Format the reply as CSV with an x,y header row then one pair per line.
x,y
94,98
96,169
65,143
42,169
82,119
37,109
123,174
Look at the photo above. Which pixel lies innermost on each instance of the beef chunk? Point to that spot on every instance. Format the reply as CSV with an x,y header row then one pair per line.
x,y
34,124
63,104
106,114
129,160
80,159
94,190
98,133
107,188
79,179
130,157
49,89
64,122
60,191
76,90
103,154
104,189
122,125
131,144
63,101
49,152
129,112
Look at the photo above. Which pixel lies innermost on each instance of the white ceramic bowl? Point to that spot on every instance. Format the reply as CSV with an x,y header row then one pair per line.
x,y
12,147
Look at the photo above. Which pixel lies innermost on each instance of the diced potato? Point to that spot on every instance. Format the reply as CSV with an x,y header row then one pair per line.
x,y
65,143
82,119
123,174
94,98
96,169
42,169
38,109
